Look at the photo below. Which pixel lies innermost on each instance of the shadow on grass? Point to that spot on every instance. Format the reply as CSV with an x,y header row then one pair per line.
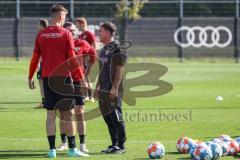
x,y
25,154
19,151
19,102
96,153
172,153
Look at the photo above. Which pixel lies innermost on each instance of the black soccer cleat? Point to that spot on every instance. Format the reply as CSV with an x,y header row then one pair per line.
x,y
120,151
110,149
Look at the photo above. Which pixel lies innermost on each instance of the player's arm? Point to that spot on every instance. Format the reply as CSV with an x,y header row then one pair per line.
x,y
75,64
92,53
33,64
96,92
118,61
93,40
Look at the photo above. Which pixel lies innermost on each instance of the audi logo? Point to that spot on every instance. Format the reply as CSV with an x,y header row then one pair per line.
x,y
203,36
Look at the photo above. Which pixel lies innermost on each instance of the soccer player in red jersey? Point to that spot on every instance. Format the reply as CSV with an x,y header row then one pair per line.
x,y
88,36
55,46
43,23
85,51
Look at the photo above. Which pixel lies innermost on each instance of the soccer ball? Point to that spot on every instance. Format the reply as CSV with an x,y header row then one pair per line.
x,y
224,145
216,150
234,148
238,140
184,145
156,150
225,138
217,140
201,152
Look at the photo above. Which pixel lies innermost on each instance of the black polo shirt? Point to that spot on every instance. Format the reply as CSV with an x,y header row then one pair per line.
x,y
110,56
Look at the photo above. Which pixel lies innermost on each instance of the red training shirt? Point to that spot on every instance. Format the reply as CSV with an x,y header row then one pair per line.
x,y
55,45
83,48
88,36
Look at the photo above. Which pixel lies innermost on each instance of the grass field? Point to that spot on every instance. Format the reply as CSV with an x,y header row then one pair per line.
x,y
195,87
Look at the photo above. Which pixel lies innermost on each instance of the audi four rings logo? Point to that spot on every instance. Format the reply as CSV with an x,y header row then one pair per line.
x,y
203,36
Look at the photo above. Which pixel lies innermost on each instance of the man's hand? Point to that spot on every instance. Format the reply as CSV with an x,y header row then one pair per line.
x,y
80,87
113,93
31,84
83,84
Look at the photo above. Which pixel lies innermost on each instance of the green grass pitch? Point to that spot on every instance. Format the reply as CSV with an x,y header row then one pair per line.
x,y
195,88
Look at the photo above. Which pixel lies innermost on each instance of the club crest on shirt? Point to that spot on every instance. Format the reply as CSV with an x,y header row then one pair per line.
x,y
107,52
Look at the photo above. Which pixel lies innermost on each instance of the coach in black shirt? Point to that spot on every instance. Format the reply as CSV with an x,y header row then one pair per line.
x,y
109,88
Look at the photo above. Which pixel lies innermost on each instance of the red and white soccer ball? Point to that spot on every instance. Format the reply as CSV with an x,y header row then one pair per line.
x,y
156,150
238,140
234,148
184,145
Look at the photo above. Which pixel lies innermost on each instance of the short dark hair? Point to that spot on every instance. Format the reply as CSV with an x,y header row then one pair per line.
x,y
43,22
109,26
68,24
57,8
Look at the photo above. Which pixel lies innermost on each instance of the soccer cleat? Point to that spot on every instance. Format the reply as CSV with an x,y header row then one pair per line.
x,y
73,152
52,153
83,148
63,147
110,149
120,151
40,106
91,100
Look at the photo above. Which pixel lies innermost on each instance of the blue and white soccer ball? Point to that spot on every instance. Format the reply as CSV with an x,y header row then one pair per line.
x,y
156,150
216,150
201,152
224,145
217,140
225,138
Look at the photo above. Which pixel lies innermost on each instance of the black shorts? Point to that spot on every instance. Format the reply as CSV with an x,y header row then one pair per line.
x,y
57,94
78,99
39,72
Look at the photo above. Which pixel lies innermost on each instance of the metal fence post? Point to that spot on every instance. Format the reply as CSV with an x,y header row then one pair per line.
x,y
236,32
71,10
180,24
17,31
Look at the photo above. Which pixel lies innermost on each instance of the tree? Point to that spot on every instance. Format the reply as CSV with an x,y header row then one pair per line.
x,y
127,12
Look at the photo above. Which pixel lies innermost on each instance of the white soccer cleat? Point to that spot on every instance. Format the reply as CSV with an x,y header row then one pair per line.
x,y
92,100
62,147
73,152
83,148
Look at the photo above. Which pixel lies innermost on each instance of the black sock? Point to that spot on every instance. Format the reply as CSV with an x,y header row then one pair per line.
x,y
63,138
71,142
51,141
82,139
90,93
43,100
